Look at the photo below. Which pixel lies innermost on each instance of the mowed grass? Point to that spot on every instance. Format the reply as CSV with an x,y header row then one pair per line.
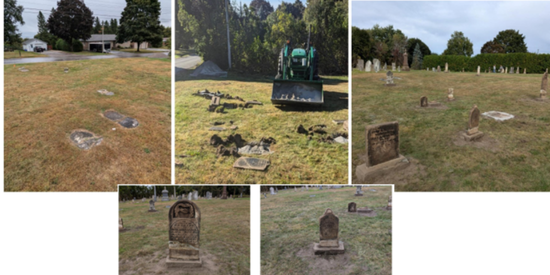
x,y
519,161
296,160
44,105
290,224
15,54
225,233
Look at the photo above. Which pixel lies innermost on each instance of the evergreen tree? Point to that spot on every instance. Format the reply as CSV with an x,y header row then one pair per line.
x,y
417,58
77,26
43,33
97,26
140,22
13,14
107,27
114,25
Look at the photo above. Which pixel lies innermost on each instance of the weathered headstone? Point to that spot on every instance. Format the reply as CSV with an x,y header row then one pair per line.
x,y
329,242
360,64
517,70
368,66
393,66
524,70
406,63
165,194
389,204
473,133
389,79
433,69
376,63
120,225
511,70
385,68
152,206
446,67
271,190
195,195
320,187
438,69
423,101
450,94
544,86
190,196
398,68
352,207
506,70
184,235
358,191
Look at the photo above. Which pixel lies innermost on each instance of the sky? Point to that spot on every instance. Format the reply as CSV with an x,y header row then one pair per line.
x,y
104,9
434,22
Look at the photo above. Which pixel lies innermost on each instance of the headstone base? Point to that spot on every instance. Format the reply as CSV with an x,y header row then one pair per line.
x,y
370,174
364,210
170,262
472,137
320,250
358,195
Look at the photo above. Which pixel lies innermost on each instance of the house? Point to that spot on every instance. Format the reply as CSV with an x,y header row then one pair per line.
x,y
133,45
93,44
31,44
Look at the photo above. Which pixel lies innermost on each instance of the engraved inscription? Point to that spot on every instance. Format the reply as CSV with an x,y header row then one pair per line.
x,y
382,143
185,231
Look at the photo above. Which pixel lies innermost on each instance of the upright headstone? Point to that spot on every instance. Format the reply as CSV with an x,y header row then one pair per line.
x,y
368,66
224,193
165,194
511,70
438,69
389,79
329,242
450,94
398,68
152,206
360,64
478,71
352,207
424,101
184,220
406,63
506,70
376,64
446,67
307,188
190,196
517,70
195,195
120,225
427,69
385,68
544,86
320,187
271,190
473,133
433,69
358,191
524,70
393,66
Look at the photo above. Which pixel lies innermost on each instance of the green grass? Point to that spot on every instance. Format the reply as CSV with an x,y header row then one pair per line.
x,y
290,224
225,233
44,105
15,54
296,160
519,161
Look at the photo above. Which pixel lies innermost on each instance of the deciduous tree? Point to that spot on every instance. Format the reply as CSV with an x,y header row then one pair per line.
x,y
459,45
140,22
492,47
13,14
512,41
72,20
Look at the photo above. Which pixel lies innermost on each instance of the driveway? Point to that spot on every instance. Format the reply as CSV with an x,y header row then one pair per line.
x,y
54,56
187,62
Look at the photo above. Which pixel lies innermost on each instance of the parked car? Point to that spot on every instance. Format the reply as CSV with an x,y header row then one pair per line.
x,y
39,49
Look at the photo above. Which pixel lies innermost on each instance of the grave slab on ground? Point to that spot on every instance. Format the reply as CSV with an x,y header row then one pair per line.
x,y
251,163
84,139
498,116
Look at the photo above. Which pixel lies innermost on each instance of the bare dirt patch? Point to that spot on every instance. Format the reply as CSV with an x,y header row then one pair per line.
x,y
156,264
409,174
486,142
326,264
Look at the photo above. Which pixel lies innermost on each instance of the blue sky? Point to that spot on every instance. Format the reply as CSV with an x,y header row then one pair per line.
x,y
104,9
434,22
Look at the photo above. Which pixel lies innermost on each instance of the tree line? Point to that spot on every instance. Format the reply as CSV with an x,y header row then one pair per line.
x,y
259,31
147,191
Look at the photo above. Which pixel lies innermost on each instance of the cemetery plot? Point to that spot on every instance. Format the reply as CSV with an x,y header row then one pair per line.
x,y
492,136
228,132
57,140
310,230
194,233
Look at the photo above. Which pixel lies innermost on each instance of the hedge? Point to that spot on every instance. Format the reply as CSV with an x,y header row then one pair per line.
x,y
535,63
62,45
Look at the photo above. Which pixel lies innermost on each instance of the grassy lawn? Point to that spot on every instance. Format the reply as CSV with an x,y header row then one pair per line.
x,y
15,54
513,155
290,225
224,237
44,105
296,160
135,51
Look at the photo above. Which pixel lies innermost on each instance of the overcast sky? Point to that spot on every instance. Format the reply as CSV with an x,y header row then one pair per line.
x,y
104,9
434,22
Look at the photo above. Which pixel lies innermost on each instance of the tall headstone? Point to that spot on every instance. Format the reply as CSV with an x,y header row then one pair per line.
x,y
120,224
184,224
506,70
433,69
473,133
307,188
360,64
399,69
165,194
544,86
152,206
478,71
406,63
524,70
517,70
352,207
224,193
190,196
195,195
385,68
450,94
511,70
368,66
446,67
376,63
329,243
271,191
393,66
389,79
438,69
358,191
382,144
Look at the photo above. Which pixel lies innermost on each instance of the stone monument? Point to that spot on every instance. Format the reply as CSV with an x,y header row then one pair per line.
x,y
473,133
271,191
184,224
152,206
446,67
190,196
389,204
544,86
382,143
423,101
358,191
195,195
393,66
450,94
352,207
399,69
120,225
438,69
360,64
329,244
165,194
385,68
376,64
368,66
406,63
511,70
389,79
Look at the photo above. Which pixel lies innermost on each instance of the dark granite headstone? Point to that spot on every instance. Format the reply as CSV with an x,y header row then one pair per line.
x,y
352,207
382,142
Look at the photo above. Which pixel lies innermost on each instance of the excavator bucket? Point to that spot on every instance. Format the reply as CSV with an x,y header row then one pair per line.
x,y
297,92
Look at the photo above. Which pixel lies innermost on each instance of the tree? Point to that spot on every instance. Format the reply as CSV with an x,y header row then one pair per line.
x,y
411,45
140,22
72,20
13,14
417,58
296,10
107,27
492,47
262,8
459,45
114,25
361,44
97,26
389,43
512,41
167,32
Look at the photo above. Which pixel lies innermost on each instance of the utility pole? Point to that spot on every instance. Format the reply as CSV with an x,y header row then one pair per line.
x,y
155,190
228,43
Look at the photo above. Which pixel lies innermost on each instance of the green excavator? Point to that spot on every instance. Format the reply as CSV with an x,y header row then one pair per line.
x,y
297,80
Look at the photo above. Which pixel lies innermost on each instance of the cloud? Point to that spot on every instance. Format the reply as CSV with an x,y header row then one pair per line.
x,y
434,22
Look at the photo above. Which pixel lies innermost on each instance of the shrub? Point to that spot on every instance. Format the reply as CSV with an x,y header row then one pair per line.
x,y
535,63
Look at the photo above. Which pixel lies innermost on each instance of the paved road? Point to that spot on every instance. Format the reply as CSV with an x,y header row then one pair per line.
x,y
53,56
188,62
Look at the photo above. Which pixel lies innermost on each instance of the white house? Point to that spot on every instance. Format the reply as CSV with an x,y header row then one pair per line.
x,y
29,45
94,43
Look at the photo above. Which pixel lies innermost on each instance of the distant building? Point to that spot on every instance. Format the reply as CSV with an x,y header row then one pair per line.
x,y
93,44
31,44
